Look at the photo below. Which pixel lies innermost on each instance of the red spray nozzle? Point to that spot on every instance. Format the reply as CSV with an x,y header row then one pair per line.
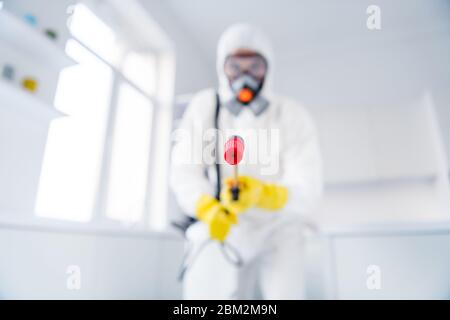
x,y
234,150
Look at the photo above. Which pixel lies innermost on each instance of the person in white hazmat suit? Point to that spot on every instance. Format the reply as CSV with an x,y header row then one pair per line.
x,y
251,247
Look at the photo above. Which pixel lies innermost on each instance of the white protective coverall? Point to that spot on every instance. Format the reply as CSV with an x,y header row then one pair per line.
x,y
270,243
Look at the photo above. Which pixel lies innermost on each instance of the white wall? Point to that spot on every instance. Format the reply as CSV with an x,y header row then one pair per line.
x,y
367,101
193,70
377,130
34,264
366,91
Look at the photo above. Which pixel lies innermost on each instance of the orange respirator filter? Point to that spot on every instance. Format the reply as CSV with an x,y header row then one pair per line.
x,y
245,95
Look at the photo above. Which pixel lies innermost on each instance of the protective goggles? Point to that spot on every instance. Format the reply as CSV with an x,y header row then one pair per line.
x,y
253,65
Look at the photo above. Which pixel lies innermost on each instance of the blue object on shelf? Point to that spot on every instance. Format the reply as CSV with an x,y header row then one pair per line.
x,y
30,19
8,72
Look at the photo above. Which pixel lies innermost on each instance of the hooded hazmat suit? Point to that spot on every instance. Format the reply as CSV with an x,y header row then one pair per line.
x,y
281,147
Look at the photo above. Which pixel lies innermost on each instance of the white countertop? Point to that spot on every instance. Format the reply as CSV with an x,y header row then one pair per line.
x,y
388,228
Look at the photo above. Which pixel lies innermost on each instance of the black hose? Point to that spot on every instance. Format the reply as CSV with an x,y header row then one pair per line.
x,y
216,150
227,249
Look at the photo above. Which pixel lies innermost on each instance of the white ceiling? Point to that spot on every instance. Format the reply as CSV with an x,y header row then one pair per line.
x,y
321,46
298,25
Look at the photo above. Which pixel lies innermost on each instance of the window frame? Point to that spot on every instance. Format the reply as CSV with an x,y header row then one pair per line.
x,y
161,104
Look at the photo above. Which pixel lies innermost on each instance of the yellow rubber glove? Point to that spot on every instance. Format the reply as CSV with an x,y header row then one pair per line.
x,y
216,216
253,193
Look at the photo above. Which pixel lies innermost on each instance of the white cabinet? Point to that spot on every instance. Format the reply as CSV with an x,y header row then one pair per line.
x,y
344,138
25,117
388,142
405,264
22,144
403,141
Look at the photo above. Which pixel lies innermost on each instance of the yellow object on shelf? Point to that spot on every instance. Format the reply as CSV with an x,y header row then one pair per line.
x,y
30,84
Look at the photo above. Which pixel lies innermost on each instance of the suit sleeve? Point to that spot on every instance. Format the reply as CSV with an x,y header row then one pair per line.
x,y
188,179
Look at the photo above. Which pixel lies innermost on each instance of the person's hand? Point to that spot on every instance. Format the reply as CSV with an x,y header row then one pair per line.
x,y
218,218
250,192
253,193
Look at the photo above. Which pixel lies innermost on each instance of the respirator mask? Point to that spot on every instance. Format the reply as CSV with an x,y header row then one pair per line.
x,y
246,74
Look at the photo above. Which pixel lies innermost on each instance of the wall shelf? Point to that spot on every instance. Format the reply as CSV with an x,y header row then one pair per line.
x,y
32,42
16,100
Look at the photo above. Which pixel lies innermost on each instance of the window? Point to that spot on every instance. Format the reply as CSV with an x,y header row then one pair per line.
x,y
74,149
97,162
130,157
